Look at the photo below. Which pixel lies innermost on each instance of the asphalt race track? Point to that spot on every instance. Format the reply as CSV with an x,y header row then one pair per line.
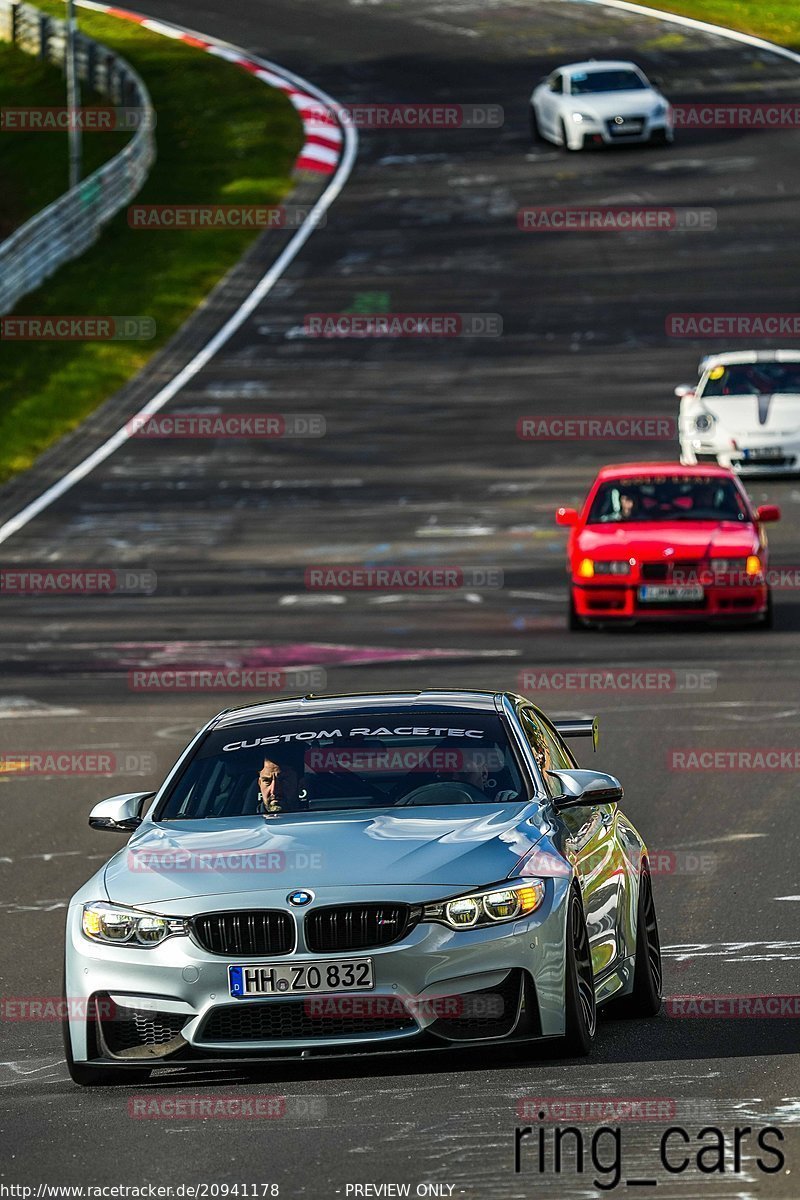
x,y
421,465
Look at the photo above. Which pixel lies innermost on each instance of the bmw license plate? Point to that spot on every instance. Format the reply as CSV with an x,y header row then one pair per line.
x,y
764,452
686,594
285,979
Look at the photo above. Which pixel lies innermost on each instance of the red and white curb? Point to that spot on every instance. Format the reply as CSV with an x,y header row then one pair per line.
x,y
324,140
329,151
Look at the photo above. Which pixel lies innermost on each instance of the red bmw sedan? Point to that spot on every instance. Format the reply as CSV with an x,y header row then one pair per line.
x,y
660,541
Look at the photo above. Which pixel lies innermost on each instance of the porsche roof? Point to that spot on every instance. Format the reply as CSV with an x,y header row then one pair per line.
x,y
731,357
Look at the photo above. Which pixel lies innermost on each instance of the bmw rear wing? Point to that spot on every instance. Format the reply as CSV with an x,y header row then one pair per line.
x,y
580,727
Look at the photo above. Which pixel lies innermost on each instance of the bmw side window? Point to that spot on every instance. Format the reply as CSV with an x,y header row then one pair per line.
x,y
562,759
557,84
544,749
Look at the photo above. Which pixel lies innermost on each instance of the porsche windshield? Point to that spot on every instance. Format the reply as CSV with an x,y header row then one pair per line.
x,y
585,83
753,379
668,498
348,761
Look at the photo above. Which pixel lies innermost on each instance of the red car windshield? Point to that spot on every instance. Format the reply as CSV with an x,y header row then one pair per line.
x,y
668,498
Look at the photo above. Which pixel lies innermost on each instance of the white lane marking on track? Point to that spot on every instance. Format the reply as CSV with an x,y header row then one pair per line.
x,y
787,897
735,952
234,322
22,706
22,1070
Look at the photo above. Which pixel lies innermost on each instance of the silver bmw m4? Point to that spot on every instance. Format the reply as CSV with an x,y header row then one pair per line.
x,y
355,874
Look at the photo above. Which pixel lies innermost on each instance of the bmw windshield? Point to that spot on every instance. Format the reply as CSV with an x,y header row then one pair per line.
x,y
668,498
352,761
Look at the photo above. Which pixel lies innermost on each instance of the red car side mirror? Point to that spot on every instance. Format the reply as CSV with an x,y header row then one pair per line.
x,y
567,516
767,513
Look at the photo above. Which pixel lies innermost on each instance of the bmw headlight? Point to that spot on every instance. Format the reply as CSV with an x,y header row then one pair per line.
x,y
490,906
578,117
703,422
740,567
113,925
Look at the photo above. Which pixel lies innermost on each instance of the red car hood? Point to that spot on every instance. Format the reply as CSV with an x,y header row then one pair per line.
x,y
688,540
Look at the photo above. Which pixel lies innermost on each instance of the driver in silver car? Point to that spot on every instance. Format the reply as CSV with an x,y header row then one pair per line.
x,y
279,788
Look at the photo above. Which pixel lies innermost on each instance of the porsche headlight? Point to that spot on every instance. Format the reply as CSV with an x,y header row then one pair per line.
x,y
704,422
111,924
503,902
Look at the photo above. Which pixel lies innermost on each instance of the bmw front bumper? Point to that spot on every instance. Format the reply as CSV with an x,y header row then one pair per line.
x,y
171,1002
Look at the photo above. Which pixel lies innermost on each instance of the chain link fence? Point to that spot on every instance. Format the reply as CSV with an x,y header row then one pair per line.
x,y
69,225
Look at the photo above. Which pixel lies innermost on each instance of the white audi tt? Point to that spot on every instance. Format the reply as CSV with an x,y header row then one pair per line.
x,y
599,103
744,413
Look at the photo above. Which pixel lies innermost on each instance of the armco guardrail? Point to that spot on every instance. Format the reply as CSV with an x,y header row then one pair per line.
x,y
69,225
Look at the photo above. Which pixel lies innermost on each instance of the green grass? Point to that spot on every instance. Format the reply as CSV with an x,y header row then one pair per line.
x,y
776,20
35,170
223,137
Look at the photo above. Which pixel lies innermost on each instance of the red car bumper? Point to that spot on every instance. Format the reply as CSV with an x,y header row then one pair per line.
x,y
621,602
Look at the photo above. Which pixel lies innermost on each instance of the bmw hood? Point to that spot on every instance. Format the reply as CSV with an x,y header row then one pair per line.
x,y
690,540
441,847
754,416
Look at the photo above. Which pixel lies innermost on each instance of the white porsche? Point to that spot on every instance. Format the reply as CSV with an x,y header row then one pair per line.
x,y
744,413
599,103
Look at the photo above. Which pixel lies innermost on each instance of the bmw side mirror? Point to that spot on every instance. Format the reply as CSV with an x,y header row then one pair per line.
x,y
585,788
120,814
566,516
768,513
